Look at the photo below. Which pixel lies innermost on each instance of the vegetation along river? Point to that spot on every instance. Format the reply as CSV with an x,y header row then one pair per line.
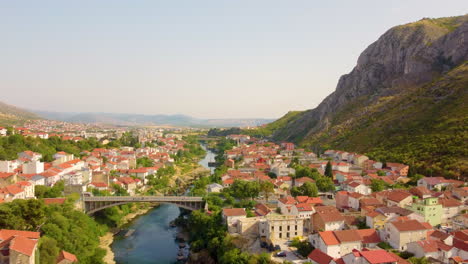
x,y
153,240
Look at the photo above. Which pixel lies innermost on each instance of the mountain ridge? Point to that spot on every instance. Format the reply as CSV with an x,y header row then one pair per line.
x,y
411,60
12,115
142,119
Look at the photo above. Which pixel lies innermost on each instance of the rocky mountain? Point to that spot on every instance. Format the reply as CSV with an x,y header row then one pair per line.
x,y
405,100
12,115
138,119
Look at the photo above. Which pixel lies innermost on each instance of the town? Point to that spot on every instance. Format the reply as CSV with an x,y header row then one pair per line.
x,y
284,201
340,207
154,164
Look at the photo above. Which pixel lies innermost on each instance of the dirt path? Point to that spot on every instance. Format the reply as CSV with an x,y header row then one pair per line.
x,y
105,243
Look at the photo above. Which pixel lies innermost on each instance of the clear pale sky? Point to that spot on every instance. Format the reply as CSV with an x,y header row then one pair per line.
x,y
209,59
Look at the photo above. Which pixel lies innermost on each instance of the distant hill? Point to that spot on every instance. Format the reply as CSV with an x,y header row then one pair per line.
x,y
12,115
406,100
138,119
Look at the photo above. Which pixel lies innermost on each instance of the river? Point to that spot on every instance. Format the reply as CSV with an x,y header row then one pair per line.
x,y
153,240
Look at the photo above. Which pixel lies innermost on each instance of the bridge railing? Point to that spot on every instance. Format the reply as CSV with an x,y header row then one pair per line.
x,y
143,198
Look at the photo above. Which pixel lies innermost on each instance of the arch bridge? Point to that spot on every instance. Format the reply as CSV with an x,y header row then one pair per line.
x,y
93,204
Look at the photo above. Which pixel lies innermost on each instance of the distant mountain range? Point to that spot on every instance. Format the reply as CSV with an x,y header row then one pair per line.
x,y
158,120
12,115
405,101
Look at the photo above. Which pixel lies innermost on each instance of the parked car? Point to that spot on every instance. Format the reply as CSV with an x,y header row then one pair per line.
x,y
271,248
281,254
277,247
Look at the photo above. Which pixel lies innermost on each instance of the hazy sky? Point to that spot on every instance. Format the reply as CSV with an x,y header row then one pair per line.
x,y
211,59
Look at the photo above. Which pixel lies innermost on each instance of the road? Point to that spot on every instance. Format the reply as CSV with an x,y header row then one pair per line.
x,y
290,254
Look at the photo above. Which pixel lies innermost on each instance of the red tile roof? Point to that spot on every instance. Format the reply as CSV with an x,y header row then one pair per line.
x,y
13,189
347,236
6,233
409,225
6,174
319,257
66,256
428,245
48,201
449,202
329,214
329,238
460,239
98,184
287,200
304,207
398,196
23,245
369,236
234,212
261,209
378,256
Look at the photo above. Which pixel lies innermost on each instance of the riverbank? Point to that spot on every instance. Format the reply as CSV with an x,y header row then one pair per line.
x,y
105,242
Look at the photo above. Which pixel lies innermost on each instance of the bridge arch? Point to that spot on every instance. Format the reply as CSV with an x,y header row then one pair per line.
x,y
97,203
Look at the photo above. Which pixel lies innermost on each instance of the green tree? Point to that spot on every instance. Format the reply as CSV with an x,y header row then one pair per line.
x,y
328,170
144,162
325,184
266,187
303,247
244,189
48,250
377,185
415,260
307,189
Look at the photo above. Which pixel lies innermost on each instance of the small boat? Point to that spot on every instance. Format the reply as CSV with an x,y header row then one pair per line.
x,y
172,224
181,245
129,232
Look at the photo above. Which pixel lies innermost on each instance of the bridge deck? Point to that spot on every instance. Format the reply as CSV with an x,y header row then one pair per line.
x,y
143,199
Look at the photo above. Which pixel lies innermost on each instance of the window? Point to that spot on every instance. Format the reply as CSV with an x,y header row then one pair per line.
x,y
272,228
280,235
289,228
281,228
296,227
287,234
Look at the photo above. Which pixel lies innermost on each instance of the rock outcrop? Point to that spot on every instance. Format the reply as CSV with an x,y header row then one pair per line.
x,y
404,56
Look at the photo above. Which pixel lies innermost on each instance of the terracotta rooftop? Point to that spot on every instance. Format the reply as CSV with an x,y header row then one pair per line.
x,y
347,235
6,233
63,255
378,256
23,245
428,245
234,212
329,214
369,236
398,195
261,209
54,200
449,202
329,238
287,200
420,191
303,207
319,257
409,225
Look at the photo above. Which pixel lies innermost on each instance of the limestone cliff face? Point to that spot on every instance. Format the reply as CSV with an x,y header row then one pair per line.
x,y
404,56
